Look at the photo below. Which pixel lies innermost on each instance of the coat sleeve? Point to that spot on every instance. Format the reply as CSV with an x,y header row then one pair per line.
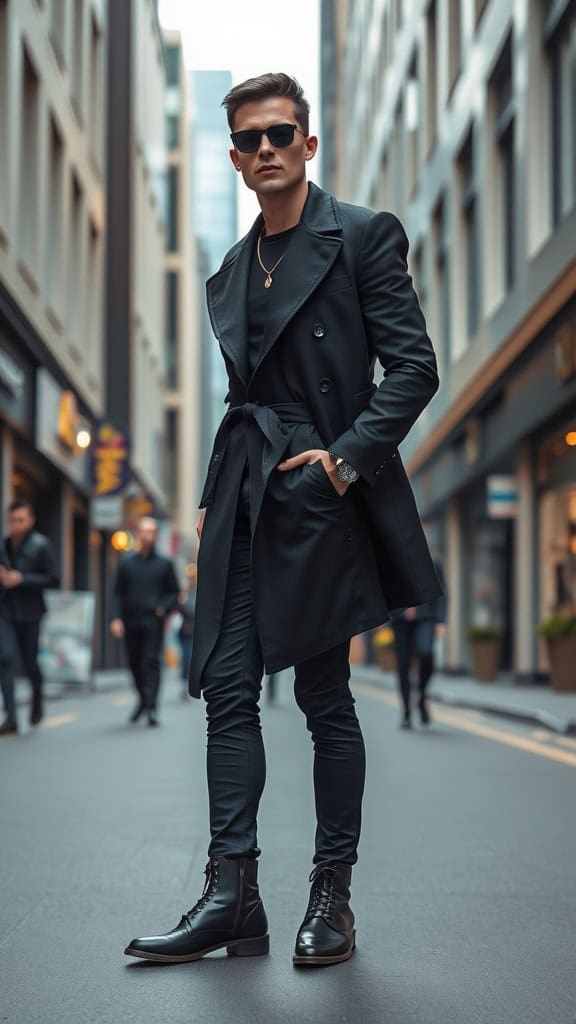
x,y
440,603
43,574
396,333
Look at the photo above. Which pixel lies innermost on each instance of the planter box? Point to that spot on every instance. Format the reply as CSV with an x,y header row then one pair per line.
x,y
562,658
485,659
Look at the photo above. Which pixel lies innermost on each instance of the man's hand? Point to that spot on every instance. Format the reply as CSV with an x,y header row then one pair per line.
x,y
316,455
117,629
160,612
440,629
9,578
201,523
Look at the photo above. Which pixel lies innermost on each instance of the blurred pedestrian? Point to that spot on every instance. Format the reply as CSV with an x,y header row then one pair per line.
x,y
415,632
145,592
27,568
309,531
187,611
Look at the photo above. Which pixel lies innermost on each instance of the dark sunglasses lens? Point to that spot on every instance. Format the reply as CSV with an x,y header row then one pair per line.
x,y
247,142
280,135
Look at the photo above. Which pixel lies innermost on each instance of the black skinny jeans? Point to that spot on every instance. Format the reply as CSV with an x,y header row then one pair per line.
x,y
235,758
414,639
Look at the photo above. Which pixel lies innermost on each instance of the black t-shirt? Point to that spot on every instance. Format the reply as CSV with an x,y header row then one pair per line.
x,y
259,297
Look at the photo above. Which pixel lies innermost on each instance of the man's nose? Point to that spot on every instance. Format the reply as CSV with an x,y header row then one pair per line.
x,y
265,147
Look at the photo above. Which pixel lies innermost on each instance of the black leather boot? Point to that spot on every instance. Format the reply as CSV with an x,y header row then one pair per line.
x,y
229,914
327,934
36,709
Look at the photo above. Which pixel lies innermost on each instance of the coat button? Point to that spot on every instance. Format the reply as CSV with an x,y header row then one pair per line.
x,y
378,470
349,535
325,385
318,331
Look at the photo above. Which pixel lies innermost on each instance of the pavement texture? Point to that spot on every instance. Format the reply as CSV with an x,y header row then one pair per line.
x,y
465,891
537,705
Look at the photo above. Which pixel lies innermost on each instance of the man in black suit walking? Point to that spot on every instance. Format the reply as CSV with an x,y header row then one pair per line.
x,y
310,532
27,569
145,592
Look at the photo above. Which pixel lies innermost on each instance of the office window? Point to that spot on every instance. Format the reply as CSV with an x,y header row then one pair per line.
x,y
3,105
55,217
29,161
479,6
469,213
172,131
172,329
172,212
419,273
96,85
58,30
384,183
454,41
94,305
502,87
399,156
172,65
412,124
74,291
442,268
77,62
562,60
171,461
431,76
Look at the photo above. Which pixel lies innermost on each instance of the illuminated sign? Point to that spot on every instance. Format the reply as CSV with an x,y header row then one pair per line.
x,y
110,460
68,420
565,352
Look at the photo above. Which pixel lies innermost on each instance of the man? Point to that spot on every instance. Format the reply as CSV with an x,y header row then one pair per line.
x,y
415,630
309,531
145,592
26,570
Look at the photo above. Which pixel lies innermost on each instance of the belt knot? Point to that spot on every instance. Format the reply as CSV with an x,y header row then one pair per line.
x,y
248,410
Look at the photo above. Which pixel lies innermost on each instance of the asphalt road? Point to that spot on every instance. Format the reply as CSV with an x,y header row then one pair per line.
x,y
465,893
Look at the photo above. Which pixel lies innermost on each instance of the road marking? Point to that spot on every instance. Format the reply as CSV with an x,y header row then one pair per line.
x,y
566,742
458,721
121,702
542,735
56,720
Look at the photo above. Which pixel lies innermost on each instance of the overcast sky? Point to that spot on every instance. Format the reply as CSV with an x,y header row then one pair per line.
x,y
250,38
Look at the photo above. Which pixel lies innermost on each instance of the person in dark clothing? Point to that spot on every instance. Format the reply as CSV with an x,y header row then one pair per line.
x,y
309,532
145,592
415,630
187,609
26,570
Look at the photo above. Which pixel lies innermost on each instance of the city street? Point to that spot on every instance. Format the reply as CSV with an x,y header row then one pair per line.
x,y
465,893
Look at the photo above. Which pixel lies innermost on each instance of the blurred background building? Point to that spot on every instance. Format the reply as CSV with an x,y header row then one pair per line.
x,y
460,117
216,223
183,394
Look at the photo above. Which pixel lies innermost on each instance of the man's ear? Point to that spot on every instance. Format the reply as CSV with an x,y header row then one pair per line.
x,y
234,159
311,147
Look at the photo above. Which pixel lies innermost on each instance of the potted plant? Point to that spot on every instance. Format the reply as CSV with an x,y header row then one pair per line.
x,y
559,633
485,650
383,643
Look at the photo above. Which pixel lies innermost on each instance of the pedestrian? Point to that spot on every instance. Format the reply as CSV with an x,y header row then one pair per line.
x,y
27,568
145,592
415,631
187,610
309,531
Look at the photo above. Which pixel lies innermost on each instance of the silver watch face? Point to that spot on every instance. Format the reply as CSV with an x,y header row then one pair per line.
x,y
346,473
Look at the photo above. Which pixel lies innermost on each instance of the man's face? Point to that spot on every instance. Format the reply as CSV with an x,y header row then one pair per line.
x,y
147,532
20,522
271,170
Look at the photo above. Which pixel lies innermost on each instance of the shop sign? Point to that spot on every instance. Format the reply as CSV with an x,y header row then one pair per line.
x,y
107,513
502,495
110,460
68,420
565,352
56,428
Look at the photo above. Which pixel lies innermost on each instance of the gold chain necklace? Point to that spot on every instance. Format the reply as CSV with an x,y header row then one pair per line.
x,y
268,273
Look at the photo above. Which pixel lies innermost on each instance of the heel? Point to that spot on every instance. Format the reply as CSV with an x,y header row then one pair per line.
x,y
249,947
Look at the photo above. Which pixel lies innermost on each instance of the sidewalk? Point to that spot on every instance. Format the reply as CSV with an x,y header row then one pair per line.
x,y
537,705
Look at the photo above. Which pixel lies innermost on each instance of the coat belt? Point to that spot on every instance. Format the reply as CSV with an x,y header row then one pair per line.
x,y
268,434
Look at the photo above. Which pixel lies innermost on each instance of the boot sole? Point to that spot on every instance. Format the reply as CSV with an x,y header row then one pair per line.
x,y
238,947
324,961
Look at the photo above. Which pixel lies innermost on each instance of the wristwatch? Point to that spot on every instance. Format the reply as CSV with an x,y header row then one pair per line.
x,y
346,473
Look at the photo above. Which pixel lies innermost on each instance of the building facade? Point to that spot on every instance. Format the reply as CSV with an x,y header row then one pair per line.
x,y
52,242
215,216
183,394
464,112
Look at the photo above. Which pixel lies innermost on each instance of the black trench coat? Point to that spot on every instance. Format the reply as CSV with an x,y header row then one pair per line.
x,y
324,567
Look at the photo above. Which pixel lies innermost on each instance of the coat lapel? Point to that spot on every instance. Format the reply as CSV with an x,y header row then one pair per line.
x,y
313,249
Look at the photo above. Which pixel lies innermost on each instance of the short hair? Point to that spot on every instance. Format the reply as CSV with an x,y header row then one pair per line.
x,y
262,88
20,503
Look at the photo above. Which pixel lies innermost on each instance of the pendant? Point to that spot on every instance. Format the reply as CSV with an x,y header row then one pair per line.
x,y
268,281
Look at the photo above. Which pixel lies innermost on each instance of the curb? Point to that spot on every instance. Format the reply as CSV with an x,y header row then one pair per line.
x,y
527,716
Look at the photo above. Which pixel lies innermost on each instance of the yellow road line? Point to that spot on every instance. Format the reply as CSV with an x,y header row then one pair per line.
x,y
121,702
55,720
460,721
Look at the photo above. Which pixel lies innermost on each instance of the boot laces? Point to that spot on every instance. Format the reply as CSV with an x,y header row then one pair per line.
x,y
323,893
211,881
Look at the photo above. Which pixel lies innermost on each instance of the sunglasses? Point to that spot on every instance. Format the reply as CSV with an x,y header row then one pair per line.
x,y
278,135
